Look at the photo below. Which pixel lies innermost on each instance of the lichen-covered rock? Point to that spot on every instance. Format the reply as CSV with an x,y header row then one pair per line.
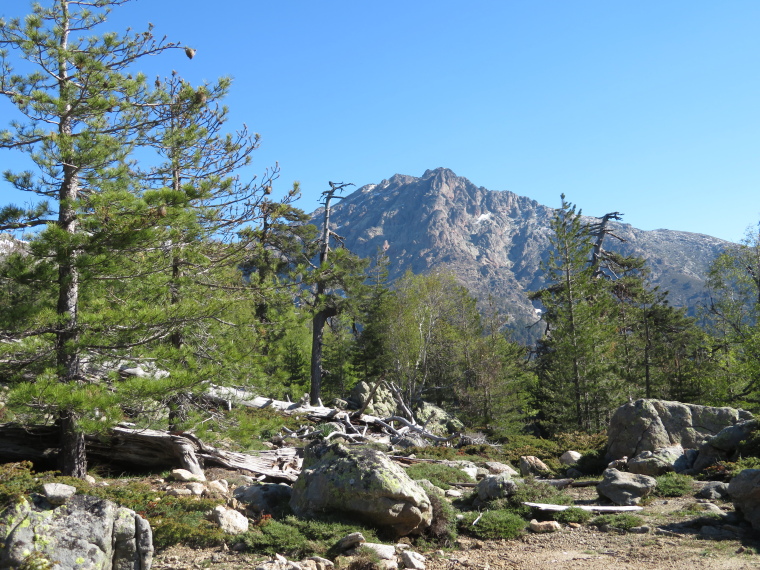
x,y
382,404
363,482
648,425
437,420
744,490
496,487
625,489
86,532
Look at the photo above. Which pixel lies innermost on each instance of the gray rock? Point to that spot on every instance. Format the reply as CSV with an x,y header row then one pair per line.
x,y
384,551
648,425
264,497
351,540
494,467
437,420
657,462
363,482
744,490
569,457
382,405
724,444
713,491
58,493
625,488
531,465
86,532
413,560
496,487
229,520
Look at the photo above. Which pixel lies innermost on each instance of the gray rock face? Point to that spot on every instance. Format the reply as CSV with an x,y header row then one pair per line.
x,y
494,241
724,444
744,490
86,532
263,497
648,425
361,481
658,462
496,487
625,489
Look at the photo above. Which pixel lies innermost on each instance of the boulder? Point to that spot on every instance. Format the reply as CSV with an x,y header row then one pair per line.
x,y
648,425
58,493
382,405
496,487
264,497
657,462
744,490
86,532
724,445
625,489
229,520
360,481
713,491
437,420
570,457
494,467
531,465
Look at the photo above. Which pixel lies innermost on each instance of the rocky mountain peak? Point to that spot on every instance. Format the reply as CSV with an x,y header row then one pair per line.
x,y
494,241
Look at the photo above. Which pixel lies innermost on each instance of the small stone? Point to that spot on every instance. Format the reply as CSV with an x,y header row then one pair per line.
x,y
231,522
384,551
569,457
453,493
640,529
58,493
351,540
186,476
196,489
90,479
544,526
219,486
179,492
413,560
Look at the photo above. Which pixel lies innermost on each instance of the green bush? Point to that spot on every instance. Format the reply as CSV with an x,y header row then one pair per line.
x,y
438,474
443,529
533,491
673,485
619,521
493,525
295,537
572,515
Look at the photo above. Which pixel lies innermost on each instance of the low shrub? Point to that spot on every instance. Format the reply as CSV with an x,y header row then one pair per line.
x,y
619,521
438,474
673,485
572,515
443,529
533,491
492,525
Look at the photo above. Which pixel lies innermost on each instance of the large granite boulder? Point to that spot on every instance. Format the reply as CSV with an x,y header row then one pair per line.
x,y
363,482
744,490
382,404
625,489
85,532
648,425
660,461
725,444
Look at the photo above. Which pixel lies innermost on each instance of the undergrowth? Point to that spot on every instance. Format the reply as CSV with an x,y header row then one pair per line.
x,y
619,521
492,525
673,485
438,474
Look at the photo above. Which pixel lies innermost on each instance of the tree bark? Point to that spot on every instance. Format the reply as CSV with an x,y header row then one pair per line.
x,y
72,458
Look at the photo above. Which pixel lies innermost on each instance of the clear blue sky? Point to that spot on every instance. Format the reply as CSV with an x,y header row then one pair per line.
x,y
649,108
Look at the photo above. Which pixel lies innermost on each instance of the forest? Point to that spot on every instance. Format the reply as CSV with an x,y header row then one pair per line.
x,y
146,267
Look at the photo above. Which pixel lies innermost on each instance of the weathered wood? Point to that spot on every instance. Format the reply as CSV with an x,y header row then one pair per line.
x,y
236,396
592,508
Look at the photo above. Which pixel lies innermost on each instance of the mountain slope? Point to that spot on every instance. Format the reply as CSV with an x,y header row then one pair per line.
x,y
494,241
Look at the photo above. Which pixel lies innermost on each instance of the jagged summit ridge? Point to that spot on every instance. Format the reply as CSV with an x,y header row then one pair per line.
x,y
494,241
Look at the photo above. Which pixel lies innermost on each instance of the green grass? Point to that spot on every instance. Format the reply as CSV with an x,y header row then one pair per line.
x,y
673,485
619,521
438,474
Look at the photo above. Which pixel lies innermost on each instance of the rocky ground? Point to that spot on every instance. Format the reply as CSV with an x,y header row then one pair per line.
x,y
676,540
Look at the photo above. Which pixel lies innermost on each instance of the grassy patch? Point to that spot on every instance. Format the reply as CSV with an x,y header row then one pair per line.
x,y
673,485
493,525
438,474
619,521
297,538
533,491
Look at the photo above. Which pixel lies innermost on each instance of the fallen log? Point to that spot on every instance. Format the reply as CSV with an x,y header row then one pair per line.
x,y
592,508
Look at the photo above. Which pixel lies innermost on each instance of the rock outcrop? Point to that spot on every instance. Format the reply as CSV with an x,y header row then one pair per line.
x,y
649,425
363,482
85,532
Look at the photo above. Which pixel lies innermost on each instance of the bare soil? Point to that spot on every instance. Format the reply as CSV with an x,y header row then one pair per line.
x,y
675,541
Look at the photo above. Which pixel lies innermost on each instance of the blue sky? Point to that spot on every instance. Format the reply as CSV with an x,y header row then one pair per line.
x,y
648,108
